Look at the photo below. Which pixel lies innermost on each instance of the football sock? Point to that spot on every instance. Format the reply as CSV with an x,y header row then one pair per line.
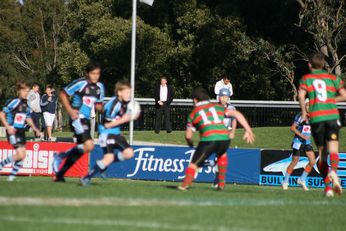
x,y
6,161
17,165
77,149
99,166
334,161
323,167
222,166
306,172
287,175
189,175
74,154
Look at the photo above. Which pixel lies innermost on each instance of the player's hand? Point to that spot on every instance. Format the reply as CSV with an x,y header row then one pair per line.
x,y
160,103
11,130
249,137
73,114
38,133
305,137
108,125
231,135
304,116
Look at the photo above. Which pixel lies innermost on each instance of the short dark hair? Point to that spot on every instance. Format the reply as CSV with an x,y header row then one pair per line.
x,y
49,86
92,66
163,77
317,60
35,85
22,85
225,76
200,94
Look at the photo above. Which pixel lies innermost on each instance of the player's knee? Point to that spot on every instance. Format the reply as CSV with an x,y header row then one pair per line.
x,y
88,146
128,153
108,159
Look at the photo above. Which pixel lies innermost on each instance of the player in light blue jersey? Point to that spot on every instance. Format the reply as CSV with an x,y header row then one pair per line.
x,y
301,143
14,116
115,114
85,94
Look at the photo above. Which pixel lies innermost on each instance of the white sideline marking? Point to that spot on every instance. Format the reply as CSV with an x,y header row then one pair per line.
x,y
129,202
129,223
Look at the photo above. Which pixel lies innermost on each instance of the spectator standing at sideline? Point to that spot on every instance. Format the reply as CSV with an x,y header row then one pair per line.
x,y
225,82
34,104
163,95
48,105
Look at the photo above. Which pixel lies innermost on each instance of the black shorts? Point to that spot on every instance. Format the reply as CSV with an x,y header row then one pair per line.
x,y
110,142
18,139
206,148
85,134
303,149
325,131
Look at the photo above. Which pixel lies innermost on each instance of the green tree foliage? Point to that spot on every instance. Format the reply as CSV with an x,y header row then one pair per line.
x,y
259,44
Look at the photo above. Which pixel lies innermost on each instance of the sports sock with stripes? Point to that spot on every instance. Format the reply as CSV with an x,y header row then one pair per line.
x,y
73,155
6,161
306,172
17,165
334,161
99,167
323,167
189,175
222,167
287,175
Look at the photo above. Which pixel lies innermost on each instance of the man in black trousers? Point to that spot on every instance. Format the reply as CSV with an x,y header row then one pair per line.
x,y
164,95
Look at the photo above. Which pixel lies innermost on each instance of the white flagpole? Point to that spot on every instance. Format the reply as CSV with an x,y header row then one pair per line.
x,y
133,60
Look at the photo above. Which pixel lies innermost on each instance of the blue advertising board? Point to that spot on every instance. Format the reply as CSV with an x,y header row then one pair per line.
x,y
169,164
275,162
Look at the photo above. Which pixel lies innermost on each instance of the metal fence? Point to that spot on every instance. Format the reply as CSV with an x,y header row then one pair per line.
x,y
259,113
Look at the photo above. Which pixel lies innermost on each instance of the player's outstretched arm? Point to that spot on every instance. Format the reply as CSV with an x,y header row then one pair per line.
x,y
32,125
66,103
9,129
122,120
249,136
302,97
188,136
342,95
296,132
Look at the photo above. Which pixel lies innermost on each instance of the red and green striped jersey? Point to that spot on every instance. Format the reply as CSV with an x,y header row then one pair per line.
x,y
208,118
322,88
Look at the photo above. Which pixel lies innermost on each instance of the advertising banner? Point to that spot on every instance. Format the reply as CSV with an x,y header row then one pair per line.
x,y
39,158
275,162
169,164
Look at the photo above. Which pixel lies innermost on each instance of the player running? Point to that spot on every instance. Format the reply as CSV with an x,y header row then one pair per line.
x,y
115,114
208,118
301,143
14,116
231,125
322,89
86,93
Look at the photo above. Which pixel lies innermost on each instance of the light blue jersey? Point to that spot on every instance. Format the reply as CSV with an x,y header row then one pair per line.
x,y
228,120
113,110
17,111
84,95
304,128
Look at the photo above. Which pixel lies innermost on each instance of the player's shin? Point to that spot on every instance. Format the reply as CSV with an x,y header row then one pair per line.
x,y
306,172
222,167
98,168
8,160
189,176
323,168
287,175
74,155
334,161
17,165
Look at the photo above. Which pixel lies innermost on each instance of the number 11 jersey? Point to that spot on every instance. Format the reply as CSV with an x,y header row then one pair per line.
x,y
322,88
207,118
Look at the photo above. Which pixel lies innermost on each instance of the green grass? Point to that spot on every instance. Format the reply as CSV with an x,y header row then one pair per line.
x,y
143,205
266,137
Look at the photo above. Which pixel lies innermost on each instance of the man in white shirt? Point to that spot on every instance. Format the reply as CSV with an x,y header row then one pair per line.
x,y
163,95
34,101
225,82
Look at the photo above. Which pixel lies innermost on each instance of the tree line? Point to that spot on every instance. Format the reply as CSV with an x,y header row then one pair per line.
x,y
261,45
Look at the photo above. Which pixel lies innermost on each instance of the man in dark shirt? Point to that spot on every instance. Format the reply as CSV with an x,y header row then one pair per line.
x,y
163,95
48,105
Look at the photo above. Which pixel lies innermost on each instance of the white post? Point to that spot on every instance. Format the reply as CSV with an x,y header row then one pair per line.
x,y
133,60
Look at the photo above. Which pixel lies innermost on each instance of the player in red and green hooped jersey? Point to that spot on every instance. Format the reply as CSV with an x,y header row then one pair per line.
x,y
208,118
323,90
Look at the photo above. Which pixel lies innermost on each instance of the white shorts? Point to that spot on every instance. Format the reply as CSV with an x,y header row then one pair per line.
x,y
48,118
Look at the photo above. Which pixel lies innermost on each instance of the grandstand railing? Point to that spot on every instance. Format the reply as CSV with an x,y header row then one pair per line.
x,y
259,113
